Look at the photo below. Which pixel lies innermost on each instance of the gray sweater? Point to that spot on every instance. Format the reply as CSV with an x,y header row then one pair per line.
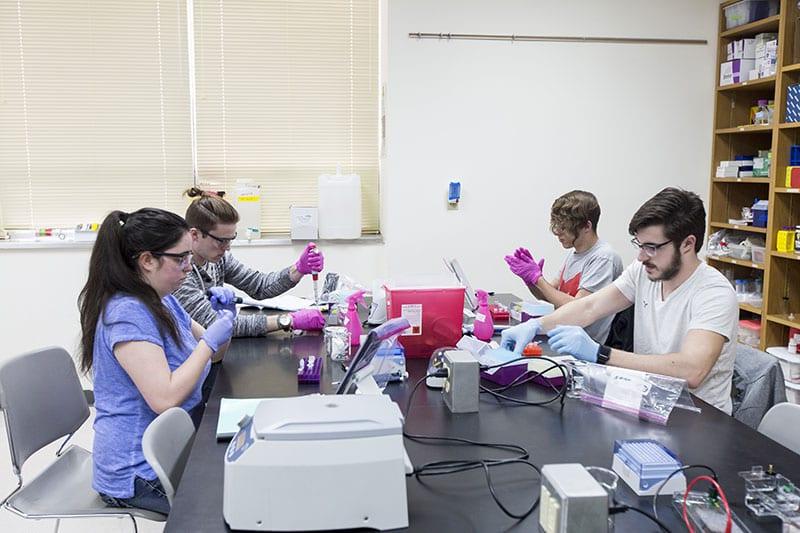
x,y
257,285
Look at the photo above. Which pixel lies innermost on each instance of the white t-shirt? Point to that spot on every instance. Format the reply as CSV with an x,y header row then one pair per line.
x,y
591,270
705,301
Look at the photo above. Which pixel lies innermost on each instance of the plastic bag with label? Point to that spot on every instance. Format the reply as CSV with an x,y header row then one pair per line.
x,y
650,397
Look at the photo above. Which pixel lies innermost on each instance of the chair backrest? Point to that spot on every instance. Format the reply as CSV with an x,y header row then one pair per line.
x,y
781,424
757,384
42,399
166,444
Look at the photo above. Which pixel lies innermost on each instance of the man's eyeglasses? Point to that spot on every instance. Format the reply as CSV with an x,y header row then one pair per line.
x,y
222,241
183,259
648,248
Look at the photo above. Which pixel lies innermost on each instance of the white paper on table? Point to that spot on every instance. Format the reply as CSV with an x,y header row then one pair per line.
x,y
284,302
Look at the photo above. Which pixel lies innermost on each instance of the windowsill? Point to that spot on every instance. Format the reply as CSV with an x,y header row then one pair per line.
x,y
55,244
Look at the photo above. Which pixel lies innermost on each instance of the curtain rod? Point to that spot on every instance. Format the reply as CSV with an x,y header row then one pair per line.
x,y
548,38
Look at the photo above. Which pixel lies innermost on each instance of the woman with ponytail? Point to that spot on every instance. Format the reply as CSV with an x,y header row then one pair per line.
x,y
144,351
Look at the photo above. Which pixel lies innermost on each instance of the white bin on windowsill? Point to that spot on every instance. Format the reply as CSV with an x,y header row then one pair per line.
x,y
339,206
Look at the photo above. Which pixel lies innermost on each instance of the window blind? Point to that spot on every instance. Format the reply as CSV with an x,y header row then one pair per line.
x,y
94,111
286,90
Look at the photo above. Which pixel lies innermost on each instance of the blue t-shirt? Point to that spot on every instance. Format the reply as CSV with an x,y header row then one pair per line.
x,y
122,413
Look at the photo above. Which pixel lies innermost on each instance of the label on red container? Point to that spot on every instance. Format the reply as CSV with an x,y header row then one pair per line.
x,y
412,313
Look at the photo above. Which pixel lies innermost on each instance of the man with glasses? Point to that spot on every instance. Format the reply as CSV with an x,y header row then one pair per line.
x,y
685,314
590,265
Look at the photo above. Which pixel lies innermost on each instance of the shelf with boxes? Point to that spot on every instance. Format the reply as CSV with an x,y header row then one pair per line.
x,y
752,137
748,59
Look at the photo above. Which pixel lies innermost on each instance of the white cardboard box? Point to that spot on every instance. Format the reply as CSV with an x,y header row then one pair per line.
x,y
741,49
304,223
735,71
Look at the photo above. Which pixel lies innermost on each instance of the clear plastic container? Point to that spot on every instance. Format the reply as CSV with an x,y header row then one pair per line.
x,y
750,332
762,113
747,11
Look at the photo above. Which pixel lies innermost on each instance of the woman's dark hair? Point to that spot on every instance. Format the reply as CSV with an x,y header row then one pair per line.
x,y
680,212
112,269
209,209
571,212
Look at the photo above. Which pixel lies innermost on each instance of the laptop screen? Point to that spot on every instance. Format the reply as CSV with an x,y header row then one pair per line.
x,y
454,267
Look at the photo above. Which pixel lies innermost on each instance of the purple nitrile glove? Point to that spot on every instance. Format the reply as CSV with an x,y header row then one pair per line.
x,y
220,331
530,272
307,320
311,260
573,340
524,254
222,298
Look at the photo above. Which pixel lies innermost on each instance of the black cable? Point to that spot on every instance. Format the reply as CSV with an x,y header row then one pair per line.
x,y
681,469
623,508
454,466
560,393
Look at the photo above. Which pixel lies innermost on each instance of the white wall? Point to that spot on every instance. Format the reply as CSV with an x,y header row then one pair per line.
x,y
519,124
522,123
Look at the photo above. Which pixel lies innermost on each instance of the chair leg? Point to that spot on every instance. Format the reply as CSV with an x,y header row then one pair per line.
x,y
58,523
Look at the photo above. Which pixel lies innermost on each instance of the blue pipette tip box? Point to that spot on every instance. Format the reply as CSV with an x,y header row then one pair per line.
x,y
644,464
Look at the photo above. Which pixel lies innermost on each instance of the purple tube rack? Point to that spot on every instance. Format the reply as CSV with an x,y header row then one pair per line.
x,y
309,373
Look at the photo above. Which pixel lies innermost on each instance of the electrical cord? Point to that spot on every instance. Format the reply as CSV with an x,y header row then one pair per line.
x,y
454,466
728,521
681,469
560,393
624,508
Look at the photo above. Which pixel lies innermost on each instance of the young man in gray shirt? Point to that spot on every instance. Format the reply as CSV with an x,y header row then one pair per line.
x,y
590,265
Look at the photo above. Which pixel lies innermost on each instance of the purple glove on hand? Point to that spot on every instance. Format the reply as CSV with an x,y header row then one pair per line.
x,y
220,331
222,298
523,265
307,320
524,254
311,260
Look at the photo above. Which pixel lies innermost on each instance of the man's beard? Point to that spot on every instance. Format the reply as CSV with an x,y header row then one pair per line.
x,y
670,271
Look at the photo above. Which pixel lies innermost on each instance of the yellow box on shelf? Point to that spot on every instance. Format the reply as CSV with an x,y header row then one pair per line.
x,y
785,240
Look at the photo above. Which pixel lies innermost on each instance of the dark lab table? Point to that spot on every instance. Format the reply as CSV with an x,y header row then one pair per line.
x,y
578,432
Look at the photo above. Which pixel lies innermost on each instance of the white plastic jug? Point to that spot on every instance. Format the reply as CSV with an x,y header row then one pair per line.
x,y
339,206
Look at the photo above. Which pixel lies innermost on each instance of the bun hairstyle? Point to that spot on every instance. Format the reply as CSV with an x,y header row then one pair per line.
x,y
208,209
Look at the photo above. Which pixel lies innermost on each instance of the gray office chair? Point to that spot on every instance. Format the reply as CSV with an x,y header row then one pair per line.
x,y
166,444
757,385
42,400
781,423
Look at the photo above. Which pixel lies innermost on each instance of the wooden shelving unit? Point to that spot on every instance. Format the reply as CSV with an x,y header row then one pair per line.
x,y
733,135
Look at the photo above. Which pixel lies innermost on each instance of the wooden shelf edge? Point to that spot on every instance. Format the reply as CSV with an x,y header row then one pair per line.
x,y
755,26
781,319
787,190
740,262
749,308
788,125
736,227
745,128
785,255
791,68
764,180
759,83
